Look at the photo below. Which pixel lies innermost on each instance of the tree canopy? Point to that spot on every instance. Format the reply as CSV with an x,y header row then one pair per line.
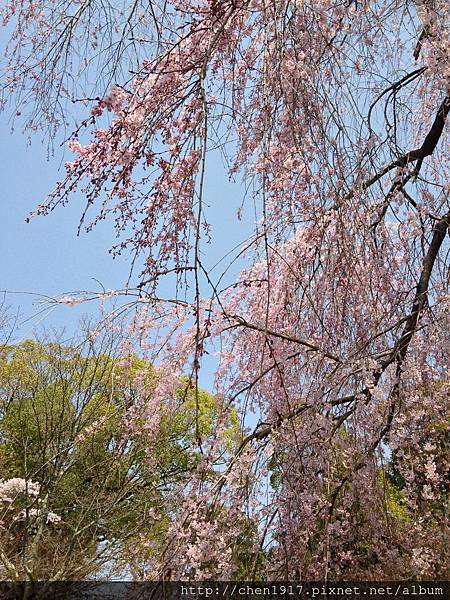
x,y
77,485
332,341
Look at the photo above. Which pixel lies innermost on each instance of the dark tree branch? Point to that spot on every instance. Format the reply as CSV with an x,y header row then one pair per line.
x,y
419,154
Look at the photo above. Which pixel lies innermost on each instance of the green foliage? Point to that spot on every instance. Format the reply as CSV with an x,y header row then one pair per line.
x,y
394,499
62,413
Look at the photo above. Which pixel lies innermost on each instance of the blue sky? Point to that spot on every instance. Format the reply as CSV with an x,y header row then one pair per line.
x,y
46,257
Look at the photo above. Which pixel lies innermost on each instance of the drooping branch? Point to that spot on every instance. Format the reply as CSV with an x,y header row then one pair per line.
x,y
397,353
421,297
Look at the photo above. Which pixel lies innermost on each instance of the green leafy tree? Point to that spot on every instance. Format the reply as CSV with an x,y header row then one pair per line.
x,y
79,484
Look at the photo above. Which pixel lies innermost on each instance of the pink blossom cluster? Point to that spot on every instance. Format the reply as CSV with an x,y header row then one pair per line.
x,y
11,488
35,513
